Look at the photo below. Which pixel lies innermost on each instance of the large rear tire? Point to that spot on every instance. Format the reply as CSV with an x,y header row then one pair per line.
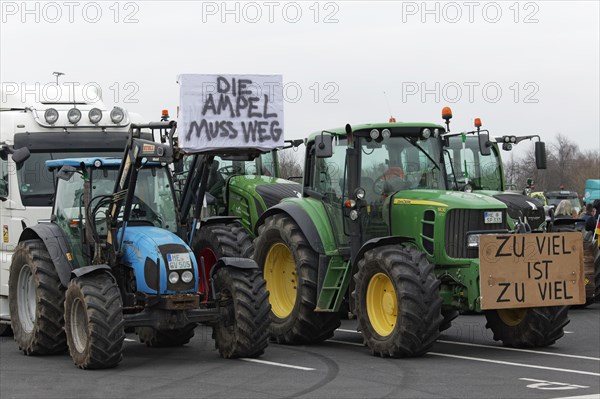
x,y
243,302
398,302
165,338
528,327
289,265
215,241
94,321
36,299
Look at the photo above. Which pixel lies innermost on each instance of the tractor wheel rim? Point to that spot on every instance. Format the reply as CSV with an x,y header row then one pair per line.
x,y
382,304
512,317
210,259
26,299
79,325
280,275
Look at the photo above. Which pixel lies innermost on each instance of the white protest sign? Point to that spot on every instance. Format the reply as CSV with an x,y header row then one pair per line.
x,y
230,111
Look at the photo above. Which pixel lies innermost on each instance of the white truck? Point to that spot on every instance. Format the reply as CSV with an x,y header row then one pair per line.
x,y
34,129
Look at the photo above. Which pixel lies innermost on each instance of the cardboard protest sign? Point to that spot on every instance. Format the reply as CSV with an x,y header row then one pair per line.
x,y
530,270
230,111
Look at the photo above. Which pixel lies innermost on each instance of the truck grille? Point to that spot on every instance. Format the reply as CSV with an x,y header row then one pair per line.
x,y
461,221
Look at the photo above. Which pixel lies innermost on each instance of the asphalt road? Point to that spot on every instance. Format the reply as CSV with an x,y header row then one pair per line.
x,y
464,363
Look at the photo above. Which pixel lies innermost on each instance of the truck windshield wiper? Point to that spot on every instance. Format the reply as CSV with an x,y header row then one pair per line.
x,y
424,152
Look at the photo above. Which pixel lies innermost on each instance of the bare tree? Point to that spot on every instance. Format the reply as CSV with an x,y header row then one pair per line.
x,y
289,164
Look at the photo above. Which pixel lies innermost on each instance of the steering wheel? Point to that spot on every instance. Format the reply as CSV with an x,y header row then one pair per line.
x,y
394,174
230,170
140,210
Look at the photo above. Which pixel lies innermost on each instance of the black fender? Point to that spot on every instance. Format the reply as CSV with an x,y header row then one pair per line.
x,y
378,242
238,263
82,271
219,220
301,218
56,243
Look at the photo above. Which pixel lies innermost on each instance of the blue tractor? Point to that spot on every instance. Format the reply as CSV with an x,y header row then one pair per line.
x,y
115,256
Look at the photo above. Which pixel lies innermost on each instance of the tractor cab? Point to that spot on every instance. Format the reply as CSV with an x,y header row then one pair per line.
x,y
85,187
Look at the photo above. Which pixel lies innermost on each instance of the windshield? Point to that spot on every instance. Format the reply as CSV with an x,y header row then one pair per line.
x,y
482,172
152,204
399,163
36,183
554,201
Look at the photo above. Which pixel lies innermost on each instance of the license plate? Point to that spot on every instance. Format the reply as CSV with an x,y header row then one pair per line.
x,y
492,217
179,261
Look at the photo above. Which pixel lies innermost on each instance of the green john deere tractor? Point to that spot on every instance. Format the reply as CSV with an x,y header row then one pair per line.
x,y
378,225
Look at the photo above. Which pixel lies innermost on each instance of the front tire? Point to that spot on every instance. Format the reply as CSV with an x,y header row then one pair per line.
x,y
243,302
36,300
94,321
398,302
289,265
528,327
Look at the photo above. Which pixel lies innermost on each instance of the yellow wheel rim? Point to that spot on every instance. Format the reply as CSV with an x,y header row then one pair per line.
x,y
280,275
512,317
382,304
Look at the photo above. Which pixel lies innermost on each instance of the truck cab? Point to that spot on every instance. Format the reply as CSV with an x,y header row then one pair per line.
x,y
67,122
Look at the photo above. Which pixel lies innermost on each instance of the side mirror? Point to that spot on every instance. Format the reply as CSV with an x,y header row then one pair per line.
x,y
540,155
324,146
21,155
3,189
484,146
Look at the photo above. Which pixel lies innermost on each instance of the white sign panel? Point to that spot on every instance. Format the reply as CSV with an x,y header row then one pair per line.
x,y
230,111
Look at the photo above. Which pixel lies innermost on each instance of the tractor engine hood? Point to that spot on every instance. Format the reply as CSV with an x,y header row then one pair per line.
x,y
447,199
160,260
523,207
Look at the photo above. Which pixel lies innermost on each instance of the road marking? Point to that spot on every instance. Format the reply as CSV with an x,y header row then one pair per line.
x,y
592,396
344,342
290,366
551,385
503,348
569,332
130,340
348,331
518,350
532,366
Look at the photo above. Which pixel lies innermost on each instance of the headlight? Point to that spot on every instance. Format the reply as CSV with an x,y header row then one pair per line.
x,y
173,277
74,115
436,132
374,134
385,133
353,214
426,133
97,163
473,240
95,115
187,276
117,115
51,116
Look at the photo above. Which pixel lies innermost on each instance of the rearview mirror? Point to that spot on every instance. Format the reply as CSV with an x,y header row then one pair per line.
x,y
324,146
540,155
484,145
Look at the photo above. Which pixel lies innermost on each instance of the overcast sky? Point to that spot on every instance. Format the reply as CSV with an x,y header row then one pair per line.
x,y
523,68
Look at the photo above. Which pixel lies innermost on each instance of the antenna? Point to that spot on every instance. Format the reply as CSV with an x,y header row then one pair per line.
x,y
392,119
57,74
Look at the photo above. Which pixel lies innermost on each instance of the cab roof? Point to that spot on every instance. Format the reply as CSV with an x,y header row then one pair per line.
x,y
341,131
